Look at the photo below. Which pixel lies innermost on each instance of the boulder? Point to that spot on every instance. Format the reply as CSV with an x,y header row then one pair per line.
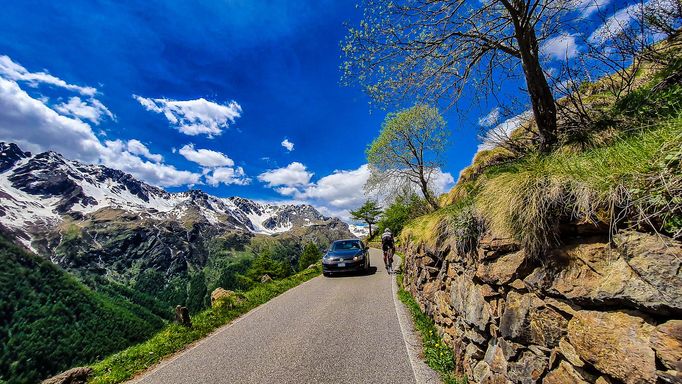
x,y
502,270
221,296
78,375
265,279
468,302
564,374
615,343
491,247
667,342
569,353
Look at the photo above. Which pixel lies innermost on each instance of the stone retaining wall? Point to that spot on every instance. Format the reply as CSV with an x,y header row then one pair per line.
x,y
589,312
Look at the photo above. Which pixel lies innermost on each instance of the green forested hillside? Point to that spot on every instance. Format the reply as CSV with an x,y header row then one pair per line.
x,y
49,321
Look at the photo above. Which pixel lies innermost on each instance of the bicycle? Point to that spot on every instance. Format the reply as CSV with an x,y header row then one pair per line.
x,y
388,259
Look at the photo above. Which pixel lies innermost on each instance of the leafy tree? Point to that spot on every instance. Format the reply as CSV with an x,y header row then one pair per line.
x,y
311,255
409,148
197,292
369,213
431,49
401,211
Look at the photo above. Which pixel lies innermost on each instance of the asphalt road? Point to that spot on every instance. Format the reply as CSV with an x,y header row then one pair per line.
x,y
329,330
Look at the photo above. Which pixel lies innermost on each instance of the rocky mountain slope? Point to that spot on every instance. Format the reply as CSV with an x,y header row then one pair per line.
x,y
39,191
93,219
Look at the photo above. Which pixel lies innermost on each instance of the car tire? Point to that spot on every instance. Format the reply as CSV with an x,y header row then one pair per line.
x,y
326,274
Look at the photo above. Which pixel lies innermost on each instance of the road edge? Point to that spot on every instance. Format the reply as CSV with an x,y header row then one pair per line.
x,y
423,374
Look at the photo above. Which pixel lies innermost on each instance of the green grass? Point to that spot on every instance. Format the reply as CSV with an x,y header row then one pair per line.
x,y
636,181
436,353
173,338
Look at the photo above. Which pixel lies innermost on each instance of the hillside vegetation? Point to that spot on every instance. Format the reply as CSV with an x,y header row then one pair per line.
x,y
51,321
624,171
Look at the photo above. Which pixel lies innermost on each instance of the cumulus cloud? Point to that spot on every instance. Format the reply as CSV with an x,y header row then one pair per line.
x,y
205,157
503,130
115,154
36,127
15,72
343,190
588,7
137,148
194,117
227,176
624,18
560,47
293,175
490,119
91,109
288,145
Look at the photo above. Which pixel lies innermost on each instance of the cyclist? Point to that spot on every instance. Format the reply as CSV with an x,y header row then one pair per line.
x,y
388,246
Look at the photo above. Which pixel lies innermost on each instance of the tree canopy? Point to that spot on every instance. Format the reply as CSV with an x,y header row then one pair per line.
x,y
369,213
409,149
432,49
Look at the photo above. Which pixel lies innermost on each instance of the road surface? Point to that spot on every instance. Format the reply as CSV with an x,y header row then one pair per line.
x,y
329,330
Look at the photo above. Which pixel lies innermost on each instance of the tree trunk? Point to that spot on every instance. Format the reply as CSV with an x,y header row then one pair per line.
x,y
424,186
370,230
542,100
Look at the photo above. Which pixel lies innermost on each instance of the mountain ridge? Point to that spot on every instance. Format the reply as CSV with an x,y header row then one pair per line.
x,y
39,191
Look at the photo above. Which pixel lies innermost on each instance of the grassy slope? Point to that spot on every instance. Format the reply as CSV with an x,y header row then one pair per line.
x,y
173,338
632,179
50,321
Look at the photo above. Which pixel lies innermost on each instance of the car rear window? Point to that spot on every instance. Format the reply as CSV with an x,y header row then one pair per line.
x,y
346,244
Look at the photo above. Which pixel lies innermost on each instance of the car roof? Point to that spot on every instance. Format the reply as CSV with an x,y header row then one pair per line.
x,y
338,241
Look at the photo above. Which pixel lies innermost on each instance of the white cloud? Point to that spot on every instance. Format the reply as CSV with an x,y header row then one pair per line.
x,y
91,109
343,190
588,7
194,117
115,154
293,175
560,47
625,17
288,145
36,127
15,72
137,148
227,176
503,130
205,157
490,119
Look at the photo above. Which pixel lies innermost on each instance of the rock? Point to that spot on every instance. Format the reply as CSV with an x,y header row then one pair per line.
x,y
592,274
265,279
518,285
527,320
503,270
77,375
491,247
569,353
182,316
657,260
429,290
468,302
487,291
495,358
667,342
615,343
220,297
480,370
528,369
564,374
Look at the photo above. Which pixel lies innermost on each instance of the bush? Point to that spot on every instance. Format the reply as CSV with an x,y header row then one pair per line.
x,y
311,255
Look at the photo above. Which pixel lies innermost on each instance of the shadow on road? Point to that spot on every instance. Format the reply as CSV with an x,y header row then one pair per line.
x,y
372,270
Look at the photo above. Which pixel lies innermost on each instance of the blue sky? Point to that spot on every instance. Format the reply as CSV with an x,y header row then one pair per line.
x,y
233,97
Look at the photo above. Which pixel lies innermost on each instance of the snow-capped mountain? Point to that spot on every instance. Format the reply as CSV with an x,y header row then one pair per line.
x,y
359,230
38,192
